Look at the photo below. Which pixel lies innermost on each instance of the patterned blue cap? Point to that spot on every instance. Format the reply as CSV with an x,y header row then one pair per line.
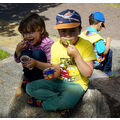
x,y
67,19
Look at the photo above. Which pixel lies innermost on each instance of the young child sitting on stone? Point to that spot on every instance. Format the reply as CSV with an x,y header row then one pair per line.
x,y
74,56
101,47
36,44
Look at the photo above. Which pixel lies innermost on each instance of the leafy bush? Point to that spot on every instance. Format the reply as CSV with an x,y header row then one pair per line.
x,y
3,54
112,4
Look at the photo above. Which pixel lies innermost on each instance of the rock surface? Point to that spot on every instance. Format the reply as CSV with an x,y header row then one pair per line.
x,y
110,88
10,75
20,109
93,105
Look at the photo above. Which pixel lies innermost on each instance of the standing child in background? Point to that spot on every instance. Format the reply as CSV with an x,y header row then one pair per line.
x,y
36,44
74,56
101,47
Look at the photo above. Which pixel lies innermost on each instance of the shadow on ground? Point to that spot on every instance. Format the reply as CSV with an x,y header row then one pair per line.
x,y
12,13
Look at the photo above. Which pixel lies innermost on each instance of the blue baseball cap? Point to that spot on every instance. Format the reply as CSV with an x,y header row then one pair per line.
x,y
99,16
67,19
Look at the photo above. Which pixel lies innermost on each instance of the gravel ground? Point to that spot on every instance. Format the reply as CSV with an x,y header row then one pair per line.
x,y
12,13
112,16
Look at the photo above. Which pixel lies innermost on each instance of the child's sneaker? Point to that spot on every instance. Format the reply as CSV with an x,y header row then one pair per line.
x,y
65,113
34,102
109,73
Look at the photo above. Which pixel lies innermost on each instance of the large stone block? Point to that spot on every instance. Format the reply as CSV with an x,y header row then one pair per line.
x,y
19,108
92,105
110,88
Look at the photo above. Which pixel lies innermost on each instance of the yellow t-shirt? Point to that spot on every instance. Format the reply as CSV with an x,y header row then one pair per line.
x,y
59,56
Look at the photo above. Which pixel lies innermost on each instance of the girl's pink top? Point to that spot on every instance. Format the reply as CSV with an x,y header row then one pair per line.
x,y
45,46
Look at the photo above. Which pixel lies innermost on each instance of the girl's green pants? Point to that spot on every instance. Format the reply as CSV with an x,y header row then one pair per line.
x,y
55,94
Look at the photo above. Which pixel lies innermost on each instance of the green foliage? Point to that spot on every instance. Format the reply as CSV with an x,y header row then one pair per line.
x,y
3,54
112,4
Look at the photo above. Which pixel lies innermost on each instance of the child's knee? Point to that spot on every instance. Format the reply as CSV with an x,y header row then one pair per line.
x,y
80,91
76,89
39,55
26,52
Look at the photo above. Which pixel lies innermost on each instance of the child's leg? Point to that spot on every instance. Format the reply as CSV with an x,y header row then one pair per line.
x,y
39,55
55,94
108,61
69,94
35,73
42,89
27,52
24,83
19,90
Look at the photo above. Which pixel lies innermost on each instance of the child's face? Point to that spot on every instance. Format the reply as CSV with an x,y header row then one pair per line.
x,y
69,34
34,38
99,26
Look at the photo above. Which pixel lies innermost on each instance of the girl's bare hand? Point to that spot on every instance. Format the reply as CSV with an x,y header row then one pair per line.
x,y
20,46
31,64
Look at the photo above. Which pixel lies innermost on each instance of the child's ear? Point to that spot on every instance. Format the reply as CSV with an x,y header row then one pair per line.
x,y
42,31
100,23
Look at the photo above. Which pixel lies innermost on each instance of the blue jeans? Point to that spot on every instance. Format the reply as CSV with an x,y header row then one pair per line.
x,y
55,94
35,73
106,65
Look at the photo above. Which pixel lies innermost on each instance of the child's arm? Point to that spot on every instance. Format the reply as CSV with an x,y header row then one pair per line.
x,y
107,45
41,65
20,46
35,63
85,68
57,71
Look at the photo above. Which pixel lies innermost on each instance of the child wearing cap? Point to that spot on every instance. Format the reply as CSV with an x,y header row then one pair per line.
x,y
74,57
101,48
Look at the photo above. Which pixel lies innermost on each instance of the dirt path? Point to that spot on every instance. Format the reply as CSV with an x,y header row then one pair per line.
x,y
11,14
112,16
